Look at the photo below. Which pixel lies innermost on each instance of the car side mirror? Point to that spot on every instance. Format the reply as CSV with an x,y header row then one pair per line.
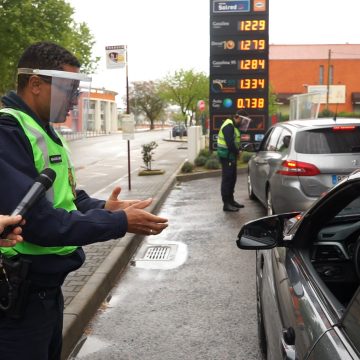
x,y
264,233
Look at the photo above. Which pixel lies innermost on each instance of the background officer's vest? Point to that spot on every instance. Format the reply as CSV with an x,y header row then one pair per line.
x,y
47,154
222,148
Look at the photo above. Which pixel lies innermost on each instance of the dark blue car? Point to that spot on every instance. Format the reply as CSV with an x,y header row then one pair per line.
x,y
179,130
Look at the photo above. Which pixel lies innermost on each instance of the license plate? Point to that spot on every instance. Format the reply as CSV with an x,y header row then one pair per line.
x,y
337,178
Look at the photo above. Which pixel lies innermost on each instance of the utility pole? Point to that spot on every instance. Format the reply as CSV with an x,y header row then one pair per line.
x,y
117,57
128,112
328,80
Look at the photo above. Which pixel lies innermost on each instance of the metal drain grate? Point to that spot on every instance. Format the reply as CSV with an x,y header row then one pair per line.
x,y
157,253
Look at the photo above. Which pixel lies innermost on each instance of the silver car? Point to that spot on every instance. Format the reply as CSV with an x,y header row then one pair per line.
x,y
308,276
299,161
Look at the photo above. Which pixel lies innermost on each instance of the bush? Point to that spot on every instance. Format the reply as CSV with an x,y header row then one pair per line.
x,y
188,167
200,160
147,152
204,152
212,163
343,114
326,113
245,156
348,115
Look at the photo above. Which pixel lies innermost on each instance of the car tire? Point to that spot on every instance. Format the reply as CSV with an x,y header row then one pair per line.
x,y
269,205
250,189
260,322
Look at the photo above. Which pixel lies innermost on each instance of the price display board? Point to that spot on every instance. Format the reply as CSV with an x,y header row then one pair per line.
x,y
239,65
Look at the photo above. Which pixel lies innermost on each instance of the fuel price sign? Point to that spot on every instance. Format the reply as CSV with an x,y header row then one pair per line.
x,y
239,74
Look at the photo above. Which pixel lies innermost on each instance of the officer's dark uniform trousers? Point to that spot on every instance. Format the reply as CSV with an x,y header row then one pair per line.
x,y
228,180
45,307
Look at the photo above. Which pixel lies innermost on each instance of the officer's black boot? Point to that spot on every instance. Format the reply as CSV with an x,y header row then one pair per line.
x,y
229,207
236,204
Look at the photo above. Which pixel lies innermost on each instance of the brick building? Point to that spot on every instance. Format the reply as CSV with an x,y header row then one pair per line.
x,y
101,116
298,69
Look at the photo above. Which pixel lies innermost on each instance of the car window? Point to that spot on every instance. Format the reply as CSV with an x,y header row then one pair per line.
x,y
284,141
351,209
265,140
332,140
335,231
273,139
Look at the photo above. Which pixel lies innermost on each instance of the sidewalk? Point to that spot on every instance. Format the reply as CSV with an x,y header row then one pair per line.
x,y
85,289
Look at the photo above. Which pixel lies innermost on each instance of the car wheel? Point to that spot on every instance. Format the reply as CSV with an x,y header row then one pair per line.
x,y
250,189
260,322
269,204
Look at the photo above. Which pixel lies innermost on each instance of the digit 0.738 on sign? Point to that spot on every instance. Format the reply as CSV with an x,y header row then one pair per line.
x,y
250,103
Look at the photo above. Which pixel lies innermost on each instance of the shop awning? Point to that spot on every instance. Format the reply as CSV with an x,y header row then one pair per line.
x,y
284,98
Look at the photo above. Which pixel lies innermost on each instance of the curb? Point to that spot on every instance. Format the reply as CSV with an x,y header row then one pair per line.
x,y
85,304
204,174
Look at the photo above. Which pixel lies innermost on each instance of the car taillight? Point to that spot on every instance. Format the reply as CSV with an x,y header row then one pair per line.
x,y
344,128
297,168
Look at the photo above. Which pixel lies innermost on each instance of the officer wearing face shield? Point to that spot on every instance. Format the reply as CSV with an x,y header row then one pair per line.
x,y
64,220
228,149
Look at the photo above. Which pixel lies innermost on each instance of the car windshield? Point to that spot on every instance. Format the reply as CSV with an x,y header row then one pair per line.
x,y
333,140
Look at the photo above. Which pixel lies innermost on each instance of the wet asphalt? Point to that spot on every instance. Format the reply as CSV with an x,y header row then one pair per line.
x,y
200,304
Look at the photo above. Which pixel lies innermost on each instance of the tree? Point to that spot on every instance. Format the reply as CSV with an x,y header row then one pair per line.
x,y
273,106
185,88
144,98
24,22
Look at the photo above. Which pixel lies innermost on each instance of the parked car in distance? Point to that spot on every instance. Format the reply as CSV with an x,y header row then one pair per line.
x,y
64,130
179,130
298,161
308,276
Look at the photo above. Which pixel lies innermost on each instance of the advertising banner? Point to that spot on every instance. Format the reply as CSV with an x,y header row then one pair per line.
x,y
115,56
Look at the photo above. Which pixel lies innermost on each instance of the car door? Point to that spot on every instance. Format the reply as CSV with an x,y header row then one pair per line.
x,y
343,341
260,163
319,280
308,285
297,320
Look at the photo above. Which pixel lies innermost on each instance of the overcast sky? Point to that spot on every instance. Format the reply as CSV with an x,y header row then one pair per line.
x,y
163,36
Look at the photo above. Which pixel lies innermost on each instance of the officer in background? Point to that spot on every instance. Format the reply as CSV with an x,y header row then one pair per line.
x,y
61,222
228,147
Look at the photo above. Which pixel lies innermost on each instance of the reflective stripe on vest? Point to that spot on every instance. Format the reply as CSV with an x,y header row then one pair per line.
x,y
222,148
47,154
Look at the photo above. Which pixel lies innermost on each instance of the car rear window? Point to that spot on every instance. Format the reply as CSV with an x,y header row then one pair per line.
x,y
337,139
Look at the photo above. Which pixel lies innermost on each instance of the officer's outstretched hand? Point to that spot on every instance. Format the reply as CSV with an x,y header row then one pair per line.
x,y
113,203
14,237
143,222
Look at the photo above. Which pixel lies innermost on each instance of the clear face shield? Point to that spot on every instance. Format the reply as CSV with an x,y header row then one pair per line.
x,y
69,91
244,122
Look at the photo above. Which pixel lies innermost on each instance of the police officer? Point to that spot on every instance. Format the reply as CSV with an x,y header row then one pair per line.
x,y
65,219
228,146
